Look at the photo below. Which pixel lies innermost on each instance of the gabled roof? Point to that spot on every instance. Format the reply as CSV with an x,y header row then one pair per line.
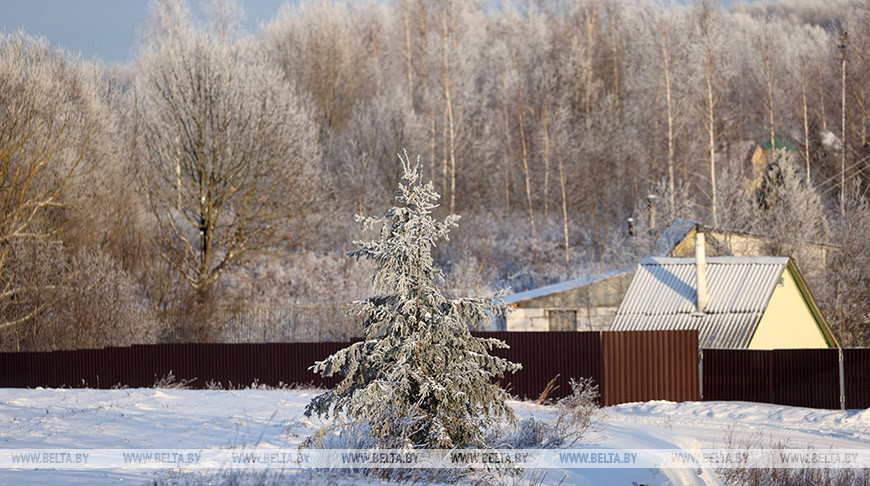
x,y
673,235
663,296
562,286
667,243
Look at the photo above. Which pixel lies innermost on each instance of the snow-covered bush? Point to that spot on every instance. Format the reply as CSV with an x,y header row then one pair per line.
x,y
76,300
529,433
766,475
418,358
576,414
577,411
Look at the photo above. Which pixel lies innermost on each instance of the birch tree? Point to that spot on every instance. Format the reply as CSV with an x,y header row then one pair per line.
x,y
807,46
709,51
667,32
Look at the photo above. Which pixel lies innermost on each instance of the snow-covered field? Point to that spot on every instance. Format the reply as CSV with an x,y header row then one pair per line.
x,y
190,419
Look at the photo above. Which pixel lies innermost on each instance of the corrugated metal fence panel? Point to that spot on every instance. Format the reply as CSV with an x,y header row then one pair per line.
x,y
140,366
794,377
5,368
807,377
649,365
857,375
90,369
118,375
240,365
738,374
544,355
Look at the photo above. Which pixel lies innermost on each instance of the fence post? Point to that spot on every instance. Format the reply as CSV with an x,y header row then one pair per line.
x,y
842,379
701,374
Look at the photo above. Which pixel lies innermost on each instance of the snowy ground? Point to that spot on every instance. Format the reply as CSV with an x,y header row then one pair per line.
x,y
189,419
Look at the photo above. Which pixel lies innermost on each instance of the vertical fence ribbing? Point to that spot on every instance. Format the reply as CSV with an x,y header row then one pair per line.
x,y
627,366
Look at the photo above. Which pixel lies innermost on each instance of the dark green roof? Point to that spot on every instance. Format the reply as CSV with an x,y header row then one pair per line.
x,y
779,142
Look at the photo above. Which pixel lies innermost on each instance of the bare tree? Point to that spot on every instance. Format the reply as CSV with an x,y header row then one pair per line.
x,y
769,57
50,128
848,274
806,44
666,30
89,301
378,126
709,32
317,46
227,144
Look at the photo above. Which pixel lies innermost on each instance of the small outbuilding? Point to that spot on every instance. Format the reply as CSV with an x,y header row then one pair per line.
x,y
733,302
583,304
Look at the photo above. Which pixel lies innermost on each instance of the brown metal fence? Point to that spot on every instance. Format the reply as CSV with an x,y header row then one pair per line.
x,y
627,366
856,367
795,377
662,360
142,365
546,355
649,365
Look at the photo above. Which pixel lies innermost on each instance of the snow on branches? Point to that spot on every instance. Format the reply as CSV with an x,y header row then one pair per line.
x,y
418,359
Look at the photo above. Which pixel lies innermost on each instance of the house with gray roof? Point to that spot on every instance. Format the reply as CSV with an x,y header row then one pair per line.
x,y
589,303
757,302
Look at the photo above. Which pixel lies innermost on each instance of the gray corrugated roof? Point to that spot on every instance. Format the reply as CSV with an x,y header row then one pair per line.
x,y
663,293
562,286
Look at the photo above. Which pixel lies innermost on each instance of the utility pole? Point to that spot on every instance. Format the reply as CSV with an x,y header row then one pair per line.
x,y
842,47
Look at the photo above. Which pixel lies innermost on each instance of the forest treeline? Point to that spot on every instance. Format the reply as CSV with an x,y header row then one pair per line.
x,y
218,172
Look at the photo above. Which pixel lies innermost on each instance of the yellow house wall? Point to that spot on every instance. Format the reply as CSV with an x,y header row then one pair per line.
x,y
787,322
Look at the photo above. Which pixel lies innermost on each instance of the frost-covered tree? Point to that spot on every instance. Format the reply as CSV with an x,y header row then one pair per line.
x,y
848,274
789,210
710,50
418,359
228,148
52,128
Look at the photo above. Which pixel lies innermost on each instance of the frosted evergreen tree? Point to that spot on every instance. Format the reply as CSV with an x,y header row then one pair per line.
x,y
418,362
789,210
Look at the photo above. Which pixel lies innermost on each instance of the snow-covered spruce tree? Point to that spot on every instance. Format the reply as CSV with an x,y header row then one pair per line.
x,y
788,210
418,362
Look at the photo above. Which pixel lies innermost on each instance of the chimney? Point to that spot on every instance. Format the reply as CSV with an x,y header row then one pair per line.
x,y
651,201
701,271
